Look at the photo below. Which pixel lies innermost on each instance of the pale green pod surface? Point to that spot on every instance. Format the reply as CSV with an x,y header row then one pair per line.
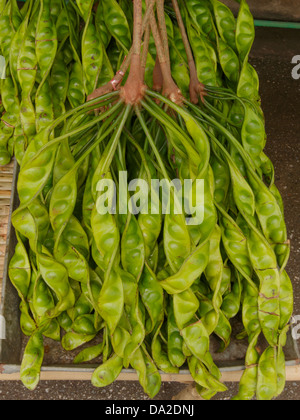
x,y
267,375
32,361
107,373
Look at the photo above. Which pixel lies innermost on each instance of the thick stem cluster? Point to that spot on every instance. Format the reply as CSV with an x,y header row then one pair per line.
x,y
133,90
196,87
169,87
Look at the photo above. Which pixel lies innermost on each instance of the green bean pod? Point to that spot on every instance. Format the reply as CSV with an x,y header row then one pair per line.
x,y
149,377
111,300
121,337
191,269
232,301
2,5
56,277
32,361
214,273
55,9
63,201
89,354
62,26
226,23
72,340
46,39
7,30
42,303
150,225
177,243
286,301
67,254
253,135
15,15
152,297
206,66
6,133
20,277
235,243
92,55
175,340
245,31
223,330
59,82
221,181
197,339
108,372
107,73
44,106
138,332
76,92
27,70
180,72
248,383
101,26
133,248
15,48
39,213
248,85
204,378
229,61
267,375
117,23
24,224
160,354
271,219
106,236
265,265
85,7
199,11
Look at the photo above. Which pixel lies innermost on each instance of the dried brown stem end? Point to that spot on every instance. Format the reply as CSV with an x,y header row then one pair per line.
x,y
157,77
134,90
197,88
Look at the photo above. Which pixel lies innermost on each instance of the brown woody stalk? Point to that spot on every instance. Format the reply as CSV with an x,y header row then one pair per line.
x,y
117,80
145,49
158,80
170,89
196,87
134,88
163,28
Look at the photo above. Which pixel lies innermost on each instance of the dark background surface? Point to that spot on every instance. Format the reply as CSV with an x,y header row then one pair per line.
x,y
272,56
287,10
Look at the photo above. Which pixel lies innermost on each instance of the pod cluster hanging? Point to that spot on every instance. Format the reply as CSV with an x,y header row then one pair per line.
x,y
159,90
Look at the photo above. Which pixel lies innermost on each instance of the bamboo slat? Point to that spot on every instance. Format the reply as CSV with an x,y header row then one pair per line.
x,y
6,178
292,374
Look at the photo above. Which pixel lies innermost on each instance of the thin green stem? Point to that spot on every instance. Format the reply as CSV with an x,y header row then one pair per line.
x,y
53,142
101,136
168,122
108,157
218,114
226,133
151,142
86,107
140,150
107,123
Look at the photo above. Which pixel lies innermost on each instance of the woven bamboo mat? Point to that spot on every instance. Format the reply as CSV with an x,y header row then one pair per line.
x,y
6,178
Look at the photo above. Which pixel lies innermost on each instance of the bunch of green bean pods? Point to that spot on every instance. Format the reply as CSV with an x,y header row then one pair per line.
x,y
142,285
